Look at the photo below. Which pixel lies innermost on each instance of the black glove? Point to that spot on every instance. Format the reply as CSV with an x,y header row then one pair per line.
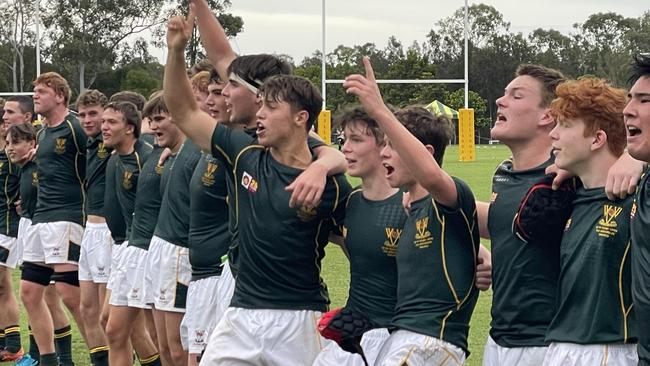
x,y
345,327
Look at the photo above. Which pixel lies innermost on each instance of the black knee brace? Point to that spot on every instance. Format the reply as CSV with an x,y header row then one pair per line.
x,y
37,274
69,277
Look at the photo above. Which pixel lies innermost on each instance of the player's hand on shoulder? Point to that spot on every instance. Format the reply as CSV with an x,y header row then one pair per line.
x,y
484,269
307,189
623,177
164,155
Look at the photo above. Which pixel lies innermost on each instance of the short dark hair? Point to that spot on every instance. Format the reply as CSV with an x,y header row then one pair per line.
x,y
91,98
25,103
215,78
255,69
130,113
429,129
299,92
549,78
22,132
129,96
155,105
355,114
640,67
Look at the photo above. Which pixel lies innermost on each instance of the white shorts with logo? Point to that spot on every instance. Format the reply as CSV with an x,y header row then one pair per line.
x,y
225,290
199,319
371,343
495,355
117,256
128,281
10,252
53,243
571,354
169,270
95,260
265,337
404,347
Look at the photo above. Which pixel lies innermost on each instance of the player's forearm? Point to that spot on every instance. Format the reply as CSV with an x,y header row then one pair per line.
x,y
332,160
177,89
418,160
213,39
482,209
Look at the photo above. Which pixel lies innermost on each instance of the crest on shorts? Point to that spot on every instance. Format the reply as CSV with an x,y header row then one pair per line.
x,y
59,147
423,237
208,175
199,336
392,237
127,182
34,178
607,225
101,151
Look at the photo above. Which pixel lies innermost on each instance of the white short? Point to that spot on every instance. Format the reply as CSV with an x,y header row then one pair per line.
x,y
495,355
10,251
371,343
225,290
117,256
404,347
199,319
571,354
95,260
53,243
128,281
168,267
265,337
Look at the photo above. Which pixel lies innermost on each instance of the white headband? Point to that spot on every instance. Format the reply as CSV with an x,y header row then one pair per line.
x,y
240,80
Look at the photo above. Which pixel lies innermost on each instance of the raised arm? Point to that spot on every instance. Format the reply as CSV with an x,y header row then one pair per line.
x,y
417,157
213,38
177,91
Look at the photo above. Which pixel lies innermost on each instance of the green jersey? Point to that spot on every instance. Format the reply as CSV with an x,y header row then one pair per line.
x,y
127,170
279,248
524,276
28,189
372,230
174,219
10,178
640,257
209,237
436,265
61,160
147,200
112,210
595,299
97,156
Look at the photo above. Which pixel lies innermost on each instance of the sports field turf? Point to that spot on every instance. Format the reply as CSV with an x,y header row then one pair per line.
x,y
477,174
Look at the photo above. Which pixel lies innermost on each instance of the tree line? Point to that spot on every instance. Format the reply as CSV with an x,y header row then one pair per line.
x,y
91,43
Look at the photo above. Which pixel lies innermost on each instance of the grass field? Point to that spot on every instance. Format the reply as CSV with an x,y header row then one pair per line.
x,y
477,174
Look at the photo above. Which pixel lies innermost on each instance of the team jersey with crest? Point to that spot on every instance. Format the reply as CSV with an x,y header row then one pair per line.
x,y
280,248
372,230
436,265
312,142
96,160
595,299
10,179
524,276
209,237
28,189
640,257
174,219
61,161
112,210
147,200
127,171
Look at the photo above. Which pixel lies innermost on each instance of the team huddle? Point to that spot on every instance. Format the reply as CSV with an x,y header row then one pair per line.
x,y
190,228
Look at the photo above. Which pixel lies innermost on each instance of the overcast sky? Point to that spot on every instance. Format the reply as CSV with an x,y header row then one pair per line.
x,y
293,27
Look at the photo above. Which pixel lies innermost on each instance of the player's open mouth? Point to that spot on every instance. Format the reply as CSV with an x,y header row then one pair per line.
x,y
389,169
260,128
501,118
633,131
228,107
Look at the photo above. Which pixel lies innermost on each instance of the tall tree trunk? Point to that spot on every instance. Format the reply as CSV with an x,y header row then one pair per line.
x,y
82,76
14,70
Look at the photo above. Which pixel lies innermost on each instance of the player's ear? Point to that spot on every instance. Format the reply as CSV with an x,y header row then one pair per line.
x,y
546,119
430,149
600,140
301,117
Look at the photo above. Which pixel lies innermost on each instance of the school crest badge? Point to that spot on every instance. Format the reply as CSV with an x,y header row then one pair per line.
x,y
59,147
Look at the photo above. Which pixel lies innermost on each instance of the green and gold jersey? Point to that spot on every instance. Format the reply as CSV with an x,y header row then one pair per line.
x,y
595,299
28,189
209,237
10,179
279,248
524,276
174,219
97,156
127,170
640,258
61,161
112,210
436,266
147,200
372,230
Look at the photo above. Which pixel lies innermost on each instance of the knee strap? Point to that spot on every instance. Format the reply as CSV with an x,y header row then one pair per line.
x,y
69,277
35,273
